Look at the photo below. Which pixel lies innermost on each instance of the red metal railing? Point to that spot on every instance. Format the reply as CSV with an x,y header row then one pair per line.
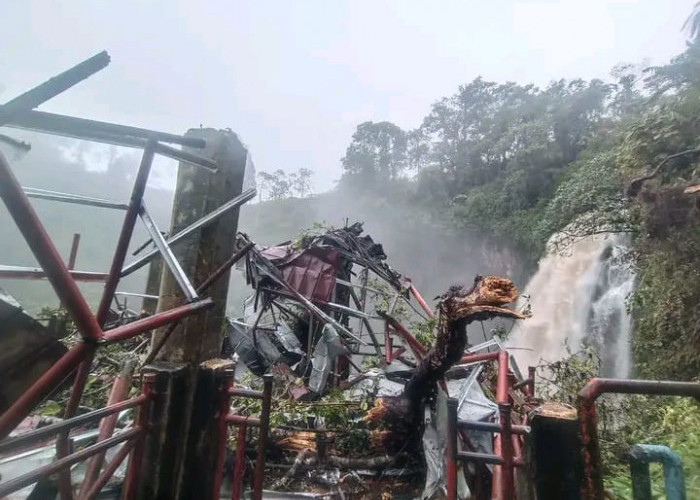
x,y
131,438
592,487
507,439
263,423
19,113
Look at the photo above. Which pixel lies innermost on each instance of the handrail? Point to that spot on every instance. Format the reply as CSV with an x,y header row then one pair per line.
x,y
592,487
31,477
49,430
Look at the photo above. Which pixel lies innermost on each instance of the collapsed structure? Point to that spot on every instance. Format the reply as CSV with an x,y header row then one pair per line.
x,y
329,313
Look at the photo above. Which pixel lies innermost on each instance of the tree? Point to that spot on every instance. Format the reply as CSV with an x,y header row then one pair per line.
x,y
377,153
301,181
276,184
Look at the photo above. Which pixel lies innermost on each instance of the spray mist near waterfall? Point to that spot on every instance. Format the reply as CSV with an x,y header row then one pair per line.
x,y
578,298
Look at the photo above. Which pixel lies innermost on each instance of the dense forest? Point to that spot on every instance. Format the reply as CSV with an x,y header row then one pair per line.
x,y
517,164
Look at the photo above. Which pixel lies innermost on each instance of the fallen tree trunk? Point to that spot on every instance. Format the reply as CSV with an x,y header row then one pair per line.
x,y
485,299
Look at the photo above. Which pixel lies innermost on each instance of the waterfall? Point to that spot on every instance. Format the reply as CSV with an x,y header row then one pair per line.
x,y
578,298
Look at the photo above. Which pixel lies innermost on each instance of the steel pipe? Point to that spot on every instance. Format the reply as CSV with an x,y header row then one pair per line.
x,y
592,488
47,470
36,273
239,467
126,232
259,472
46,253
204,221
53,86
224,406
43,194
167,254
47,431
200,289
133,472
42,387
492,427
109,471
143,325
93,130
246,393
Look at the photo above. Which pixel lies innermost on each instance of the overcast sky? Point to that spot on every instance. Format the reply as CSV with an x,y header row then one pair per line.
x,y
294,78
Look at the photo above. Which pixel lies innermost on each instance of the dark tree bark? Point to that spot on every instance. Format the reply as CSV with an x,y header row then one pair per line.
x,y
457,308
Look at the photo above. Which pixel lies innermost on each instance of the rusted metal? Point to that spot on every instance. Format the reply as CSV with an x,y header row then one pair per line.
x,y
259,473
127,230
239,467
52,468
592,487
53,87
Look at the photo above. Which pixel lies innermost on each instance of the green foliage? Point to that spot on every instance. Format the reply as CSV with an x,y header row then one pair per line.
x,y
630,420
376,154
425,331
665,307
106,366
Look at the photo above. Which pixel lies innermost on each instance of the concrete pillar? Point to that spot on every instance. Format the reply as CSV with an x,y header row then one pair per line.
x,y
180,448
155,271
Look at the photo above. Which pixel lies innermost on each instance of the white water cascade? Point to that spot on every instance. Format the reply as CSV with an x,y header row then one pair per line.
x,y
578,298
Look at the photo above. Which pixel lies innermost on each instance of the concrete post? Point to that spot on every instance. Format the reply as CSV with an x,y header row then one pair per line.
x,y
181,446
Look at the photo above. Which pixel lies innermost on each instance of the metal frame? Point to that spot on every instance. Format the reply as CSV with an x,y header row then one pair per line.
x,y
226,418
507,446
132,440
18,113
592,487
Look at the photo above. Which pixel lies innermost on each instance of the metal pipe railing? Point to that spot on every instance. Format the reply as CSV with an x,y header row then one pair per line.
x,y
259,473
592,487
504,447
263,423
47,470
47,431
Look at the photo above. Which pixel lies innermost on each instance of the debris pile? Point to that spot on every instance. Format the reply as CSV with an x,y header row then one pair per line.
x,y
355,412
